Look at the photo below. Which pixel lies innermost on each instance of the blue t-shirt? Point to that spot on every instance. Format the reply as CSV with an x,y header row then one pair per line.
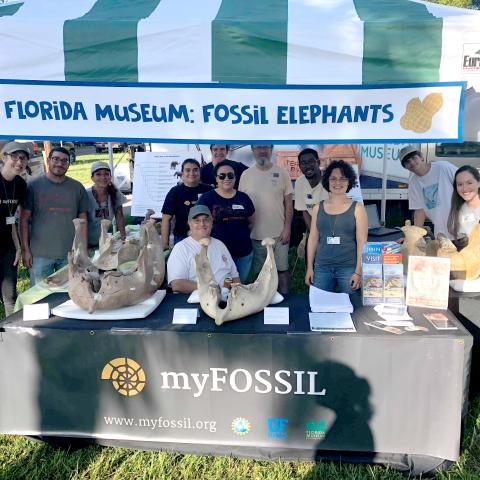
x,y
178,202
230,220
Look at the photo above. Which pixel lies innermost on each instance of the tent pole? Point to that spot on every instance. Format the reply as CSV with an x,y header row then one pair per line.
x,y
112,169
383,207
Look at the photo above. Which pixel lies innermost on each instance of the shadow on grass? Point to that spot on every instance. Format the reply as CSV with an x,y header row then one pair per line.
x,y
37,460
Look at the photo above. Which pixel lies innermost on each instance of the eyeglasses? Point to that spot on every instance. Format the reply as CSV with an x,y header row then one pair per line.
x,y
223,176
63,160
18,157
338,180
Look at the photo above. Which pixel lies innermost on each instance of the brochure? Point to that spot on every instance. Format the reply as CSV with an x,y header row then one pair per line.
x,y
440,321
331,322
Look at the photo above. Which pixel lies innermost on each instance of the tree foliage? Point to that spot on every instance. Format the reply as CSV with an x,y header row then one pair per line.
x,y
454,3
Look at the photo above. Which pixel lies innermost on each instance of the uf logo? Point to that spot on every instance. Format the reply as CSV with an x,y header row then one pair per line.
x,y
276,427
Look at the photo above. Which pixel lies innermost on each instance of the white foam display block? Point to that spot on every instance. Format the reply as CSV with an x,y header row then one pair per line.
x,y
69,310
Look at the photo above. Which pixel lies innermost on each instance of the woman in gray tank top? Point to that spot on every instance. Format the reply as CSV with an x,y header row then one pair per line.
x,y
338,232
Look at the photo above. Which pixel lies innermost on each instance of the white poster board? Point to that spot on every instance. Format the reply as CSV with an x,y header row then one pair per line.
x,y
154,175
428,282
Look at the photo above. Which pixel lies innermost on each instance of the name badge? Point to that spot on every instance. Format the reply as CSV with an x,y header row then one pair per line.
x,y
333,240
468,217
237,207
10,220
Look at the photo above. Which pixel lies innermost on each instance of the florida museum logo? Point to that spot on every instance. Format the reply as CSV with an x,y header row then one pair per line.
x,y
241,426
126,375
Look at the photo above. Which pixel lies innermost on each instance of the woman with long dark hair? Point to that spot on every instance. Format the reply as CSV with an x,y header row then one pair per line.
x,y
105,201
465,208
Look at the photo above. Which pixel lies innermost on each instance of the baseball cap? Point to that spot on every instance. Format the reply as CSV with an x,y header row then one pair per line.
x,y
405,151
100,166
11,147
198,210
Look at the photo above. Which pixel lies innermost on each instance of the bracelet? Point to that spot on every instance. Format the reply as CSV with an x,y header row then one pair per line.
x,y
355,273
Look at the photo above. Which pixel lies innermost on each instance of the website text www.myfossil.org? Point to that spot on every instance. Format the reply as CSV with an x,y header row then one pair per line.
x,y
186,423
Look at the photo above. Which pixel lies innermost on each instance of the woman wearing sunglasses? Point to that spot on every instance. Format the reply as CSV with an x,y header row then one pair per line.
x,y
233,217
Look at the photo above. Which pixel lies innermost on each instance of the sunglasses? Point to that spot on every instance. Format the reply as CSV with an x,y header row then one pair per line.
x,y
223,176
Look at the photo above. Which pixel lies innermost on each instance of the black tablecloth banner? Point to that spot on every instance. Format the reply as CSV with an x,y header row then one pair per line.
x,y
244,388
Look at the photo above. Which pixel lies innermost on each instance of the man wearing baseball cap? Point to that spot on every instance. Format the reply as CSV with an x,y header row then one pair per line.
x,y
430,188
181,271
46,226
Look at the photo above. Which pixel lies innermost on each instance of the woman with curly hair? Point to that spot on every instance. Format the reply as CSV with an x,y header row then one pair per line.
x,y
465,207
338,233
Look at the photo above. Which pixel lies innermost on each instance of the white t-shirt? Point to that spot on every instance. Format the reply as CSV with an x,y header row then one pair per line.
x,y
433,194
307,197
467,219
181,262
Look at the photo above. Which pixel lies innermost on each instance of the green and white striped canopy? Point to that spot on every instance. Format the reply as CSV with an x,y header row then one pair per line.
x,y
323,42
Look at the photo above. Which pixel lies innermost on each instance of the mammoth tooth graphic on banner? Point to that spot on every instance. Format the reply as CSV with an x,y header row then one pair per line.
x,y
92,289
243,300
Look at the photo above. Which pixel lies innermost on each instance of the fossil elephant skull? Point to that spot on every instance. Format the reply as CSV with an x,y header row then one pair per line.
x,y
243,300
91,289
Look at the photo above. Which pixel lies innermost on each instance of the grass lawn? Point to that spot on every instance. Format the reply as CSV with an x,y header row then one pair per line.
x,y
21,458
80,170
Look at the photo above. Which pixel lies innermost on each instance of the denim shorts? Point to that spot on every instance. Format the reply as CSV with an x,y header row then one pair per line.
x,y
244,265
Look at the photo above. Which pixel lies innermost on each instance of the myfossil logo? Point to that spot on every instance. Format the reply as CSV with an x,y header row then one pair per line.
x,y
126,375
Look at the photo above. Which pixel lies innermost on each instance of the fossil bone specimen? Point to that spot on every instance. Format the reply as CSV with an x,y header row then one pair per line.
x,y
464,265
91,289
412,243
110,257
243,300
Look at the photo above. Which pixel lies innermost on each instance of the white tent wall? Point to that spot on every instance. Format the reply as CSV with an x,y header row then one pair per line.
x,y
347,42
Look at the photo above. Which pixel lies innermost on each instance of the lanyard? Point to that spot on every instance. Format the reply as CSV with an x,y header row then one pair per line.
x,y
9,207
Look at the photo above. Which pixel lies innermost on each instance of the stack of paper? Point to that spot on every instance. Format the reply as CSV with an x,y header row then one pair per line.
x,y
323,301
331,322
394,315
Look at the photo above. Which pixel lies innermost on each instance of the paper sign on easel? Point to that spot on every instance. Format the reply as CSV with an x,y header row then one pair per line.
x,y
428,282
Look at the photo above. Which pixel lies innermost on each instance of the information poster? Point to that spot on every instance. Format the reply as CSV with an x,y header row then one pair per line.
x,y
154,175
428,282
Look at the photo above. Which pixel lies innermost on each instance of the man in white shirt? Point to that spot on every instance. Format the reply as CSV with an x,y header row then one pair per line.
x,y
182,275
308,187
429,190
